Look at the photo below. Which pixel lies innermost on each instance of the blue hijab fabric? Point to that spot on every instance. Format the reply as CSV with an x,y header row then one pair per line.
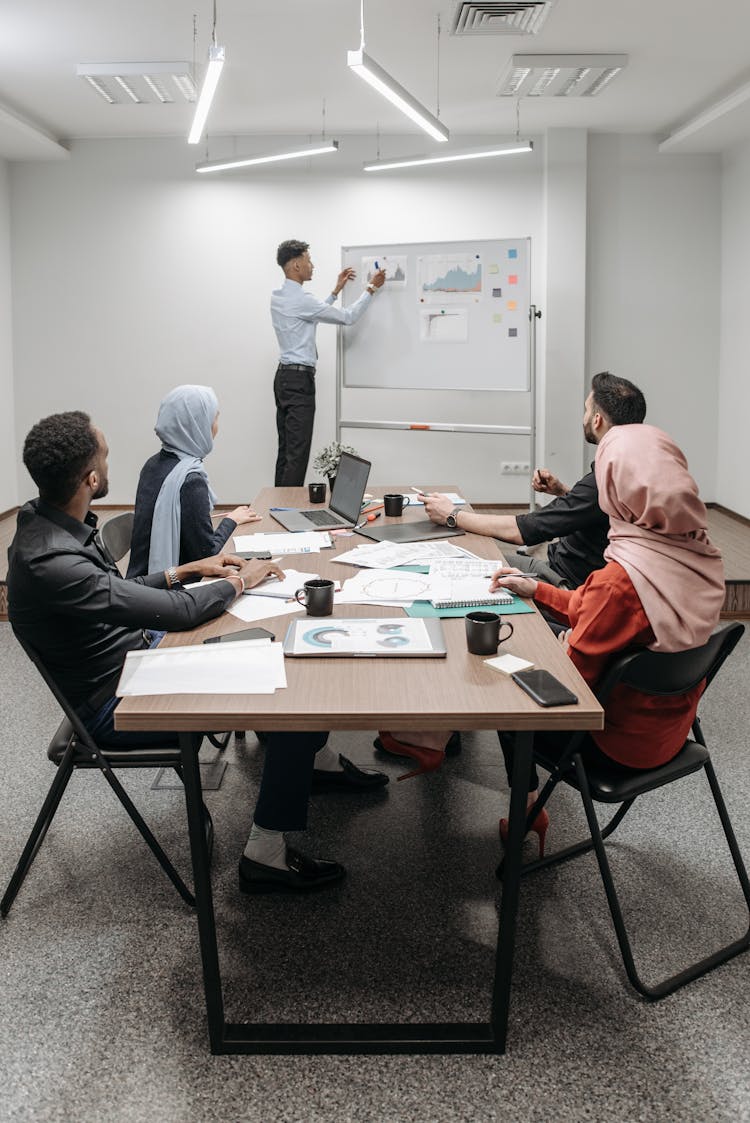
x,y
184,429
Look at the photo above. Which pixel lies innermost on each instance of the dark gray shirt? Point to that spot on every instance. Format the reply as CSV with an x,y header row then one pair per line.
x,y
67,599
581,526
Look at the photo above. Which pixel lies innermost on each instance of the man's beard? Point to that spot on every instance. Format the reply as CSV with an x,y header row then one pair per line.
x,y
102,490
588,433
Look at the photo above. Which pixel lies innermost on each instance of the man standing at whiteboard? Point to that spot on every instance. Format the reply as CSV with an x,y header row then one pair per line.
x,y
295,315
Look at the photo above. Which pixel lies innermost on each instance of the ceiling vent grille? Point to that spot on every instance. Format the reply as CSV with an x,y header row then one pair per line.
x,y
500,17
140,83
559,75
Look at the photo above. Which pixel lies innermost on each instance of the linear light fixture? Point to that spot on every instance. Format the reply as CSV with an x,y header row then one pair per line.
x,y
208,89
380,80
706,117
451,157
319,149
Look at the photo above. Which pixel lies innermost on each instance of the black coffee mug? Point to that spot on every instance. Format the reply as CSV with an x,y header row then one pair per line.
x,y
394,505
317,597
317,492
483,632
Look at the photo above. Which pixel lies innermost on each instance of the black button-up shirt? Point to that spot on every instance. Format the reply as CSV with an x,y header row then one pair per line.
x,y
581,526
67,598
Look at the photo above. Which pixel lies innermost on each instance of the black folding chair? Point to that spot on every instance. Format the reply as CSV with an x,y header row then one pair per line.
x,y
116,534
661,675
73,747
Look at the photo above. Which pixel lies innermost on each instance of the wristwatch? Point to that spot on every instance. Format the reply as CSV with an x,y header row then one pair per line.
x,y
371,289
174,581
452,518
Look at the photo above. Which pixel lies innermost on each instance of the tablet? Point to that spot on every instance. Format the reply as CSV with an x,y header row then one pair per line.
x,y
365,638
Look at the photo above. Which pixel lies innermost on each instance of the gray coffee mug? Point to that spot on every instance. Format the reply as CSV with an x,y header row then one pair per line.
x,y
483,632
317,597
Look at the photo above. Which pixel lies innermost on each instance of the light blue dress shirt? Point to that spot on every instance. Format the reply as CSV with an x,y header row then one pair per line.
x,y
295,314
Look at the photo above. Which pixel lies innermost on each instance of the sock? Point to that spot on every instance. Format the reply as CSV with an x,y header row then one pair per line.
x,y
266,847
326,760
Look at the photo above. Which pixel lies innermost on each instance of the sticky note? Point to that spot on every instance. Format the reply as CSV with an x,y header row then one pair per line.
x,y
494,269
513,279
508,664
512,253
512,305
497,318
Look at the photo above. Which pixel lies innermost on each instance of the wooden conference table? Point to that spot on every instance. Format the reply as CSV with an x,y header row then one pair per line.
x,y
457,692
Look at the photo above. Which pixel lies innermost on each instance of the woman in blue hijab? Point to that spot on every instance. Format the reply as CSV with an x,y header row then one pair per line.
x,y
174,501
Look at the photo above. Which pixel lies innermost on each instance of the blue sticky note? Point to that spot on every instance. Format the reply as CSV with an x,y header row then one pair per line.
x,y
512,253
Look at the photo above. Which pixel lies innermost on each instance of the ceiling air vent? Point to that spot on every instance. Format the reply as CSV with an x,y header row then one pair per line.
x,y
500,17
559,75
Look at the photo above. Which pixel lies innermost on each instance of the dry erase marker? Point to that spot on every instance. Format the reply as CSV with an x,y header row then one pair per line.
x,y
371,518
376,265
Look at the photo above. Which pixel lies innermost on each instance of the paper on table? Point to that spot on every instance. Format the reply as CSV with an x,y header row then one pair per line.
x,y
383,586
387,555
464,567
283,590
258,608
456,499
245,667
306,542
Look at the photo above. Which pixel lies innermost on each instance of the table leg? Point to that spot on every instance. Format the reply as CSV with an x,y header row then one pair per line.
x,y
189,746
506,935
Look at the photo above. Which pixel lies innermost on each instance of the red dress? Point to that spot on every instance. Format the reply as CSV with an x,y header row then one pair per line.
x,y
606,617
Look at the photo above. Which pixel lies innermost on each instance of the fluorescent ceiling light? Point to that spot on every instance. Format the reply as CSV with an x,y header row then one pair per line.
x,y
146,82
380,80
210,82
248,161
559,75
451,157
707,117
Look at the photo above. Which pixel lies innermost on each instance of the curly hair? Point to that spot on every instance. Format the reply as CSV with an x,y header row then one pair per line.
x,y
287,251
57,452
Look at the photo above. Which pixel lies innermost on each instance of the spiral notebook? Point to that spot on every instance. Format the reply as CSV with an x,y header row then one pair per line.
x,y
466,592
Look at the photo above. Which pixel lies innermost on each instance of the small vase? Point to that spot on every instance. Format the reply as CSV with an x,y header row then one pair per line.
x,y
331,482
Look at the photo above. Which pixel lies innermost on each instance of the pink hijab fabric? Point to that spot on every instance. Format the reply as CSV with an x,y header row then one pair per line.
x,y
658,534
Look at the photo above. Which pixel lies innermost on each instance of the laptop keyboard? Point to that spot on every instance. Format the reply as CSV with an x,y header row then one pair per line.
x,y
323,518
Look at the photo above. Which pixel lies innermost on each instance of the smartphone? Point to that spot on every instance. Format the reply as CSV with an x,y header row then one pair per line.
x,y
249,555
544,688
246,633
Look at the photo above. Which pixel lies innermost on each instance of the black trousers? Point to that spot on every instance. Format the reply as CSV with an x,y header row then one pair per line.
x,y
294,391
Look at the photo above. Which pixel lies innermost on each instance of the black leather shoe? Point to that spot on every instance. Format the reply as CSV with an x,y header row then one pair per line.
x,y
351,778
304,875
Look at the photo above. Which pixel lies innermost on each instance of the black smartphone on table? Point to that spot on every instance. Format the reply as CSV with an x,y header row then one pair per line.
x,y
544,688
246,633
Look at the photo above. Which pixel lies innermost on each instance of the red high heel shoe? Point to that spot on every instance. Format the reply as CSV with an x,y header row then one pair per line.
x,y
429,760
538,827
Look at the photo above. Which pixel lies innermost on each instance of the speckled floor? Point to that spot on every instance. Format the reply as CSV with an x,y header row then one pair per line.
x,y
100,986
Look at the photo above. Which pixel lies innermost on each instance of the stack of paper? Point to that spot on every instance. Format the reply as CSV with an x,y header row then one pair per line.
x,y
306,542
245,667
384,586
386,555
464,567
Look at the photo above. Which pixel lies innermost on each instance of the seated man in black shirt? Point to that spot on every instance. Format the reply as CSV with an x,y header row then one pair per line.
x,y
68,600
574,518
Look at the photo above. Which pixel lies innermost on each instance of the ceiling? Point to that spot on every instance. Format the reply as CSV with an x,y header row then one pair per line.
x,y
286,59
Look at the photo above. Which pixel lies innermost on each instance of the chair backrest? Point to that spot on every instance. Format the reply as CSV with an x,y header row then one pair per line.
x,y
82,734
117,533
671,673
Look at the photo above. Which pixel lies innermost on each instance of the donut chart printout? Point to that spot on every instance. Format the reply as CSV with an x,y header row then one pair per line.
x,y
360,637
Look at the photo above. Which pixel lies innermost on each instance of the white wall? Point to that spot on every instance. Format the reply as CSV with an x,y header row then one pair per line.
x,y
131,275
8,477
734,385
654,286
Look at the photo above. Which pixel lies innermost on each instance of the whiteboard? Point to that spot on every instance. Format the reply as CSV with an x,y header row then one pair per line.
x,y
450,316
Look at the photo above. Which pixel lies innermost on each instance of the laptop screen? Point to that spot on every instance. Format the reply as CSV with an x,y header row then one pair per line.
x,y
351,481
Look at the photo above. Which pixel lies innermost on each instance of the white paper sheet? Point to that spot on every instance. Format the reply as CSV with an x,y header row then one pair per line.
x,y
250,609
384,586
386,555
464,567
283,590
245,667
306,542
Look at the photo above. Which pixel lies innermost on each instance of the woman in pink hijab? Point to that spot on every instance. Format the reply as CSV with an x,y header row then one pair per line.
x,y
662,588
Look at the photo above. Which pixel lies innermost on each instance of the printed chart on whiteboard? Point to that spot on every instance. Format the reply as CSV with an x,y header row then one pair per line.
x,y
451,315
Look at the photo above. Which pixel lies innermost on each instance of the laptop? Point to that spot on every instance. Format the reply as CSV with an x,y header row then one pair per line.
x,y
346,500
420,531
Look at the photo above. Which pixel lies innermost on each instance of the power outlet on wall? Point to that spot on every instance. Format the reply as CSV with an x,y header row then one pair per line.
x,y
515,468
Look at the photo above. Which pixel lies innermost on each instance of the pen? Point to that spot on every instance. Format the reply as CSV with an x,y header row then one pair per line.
x,y
371,518
376,265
